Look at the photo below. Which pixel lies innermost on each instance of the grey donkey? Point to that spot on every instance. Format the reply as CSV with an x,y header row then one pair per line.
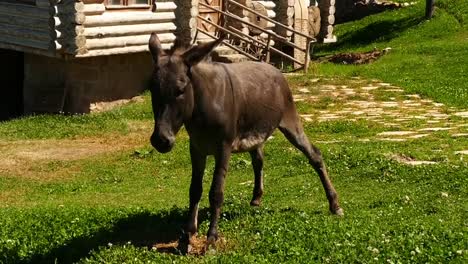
x,y
225,108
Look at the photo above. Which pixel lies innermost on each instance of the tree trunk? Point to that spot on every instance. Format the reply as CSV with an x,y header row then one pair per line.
x,y
429,8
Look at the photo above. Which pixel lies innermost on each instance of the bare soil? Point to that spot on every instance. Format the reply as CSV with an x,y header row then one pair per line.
x,y
198,246
410,161
25,157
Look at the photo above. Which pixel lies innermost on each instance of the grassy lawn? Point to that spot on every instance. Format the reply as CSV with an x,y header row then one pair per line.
x,y
114,205
427,57
89,189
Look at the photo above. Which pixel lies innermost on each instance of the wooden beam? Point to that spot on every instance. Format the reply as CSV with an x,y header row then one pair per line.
x,y
125,41
70,7
25,21
94,9
126,30
73,44
130,17
71,31
69,19
7,9
43,3
116,51
267,4
26,42
27,49
93,1
42,34
165,6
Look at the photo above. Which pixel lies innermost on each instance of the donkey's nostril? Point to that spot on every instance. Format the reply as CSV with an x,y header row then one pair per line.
x,y
162,144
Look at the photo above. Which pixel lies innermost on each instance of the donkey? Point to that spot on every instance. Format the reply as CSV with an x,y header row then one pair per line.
x,y
226,108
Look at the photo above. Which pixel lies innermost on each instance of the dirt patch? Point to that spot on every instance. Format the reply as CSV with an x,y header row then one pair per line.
x,y
356,58
106,106
197,246
28,157
401,158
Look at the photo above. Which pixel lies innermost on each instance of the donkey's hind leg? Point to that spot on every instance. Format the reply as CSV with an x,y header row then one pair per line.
x,y
291,127
257,164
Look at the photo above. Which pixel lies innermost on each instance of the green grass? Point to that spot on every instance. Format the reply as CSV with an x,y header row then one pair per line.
x,y
427,57
115,206
69,126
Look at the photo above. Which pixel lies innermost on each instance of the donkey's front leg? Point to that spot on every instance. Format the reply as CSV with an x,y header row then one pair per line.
x,y
196,189
217,190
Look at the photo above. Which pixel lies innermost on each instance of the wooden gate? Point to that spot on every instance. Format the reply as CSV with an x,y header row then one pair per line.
x,y
210,19
210,15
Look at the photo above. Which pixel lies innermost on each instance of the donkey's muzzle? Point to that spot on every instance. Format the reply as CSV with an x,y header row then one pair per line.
x,y
162,144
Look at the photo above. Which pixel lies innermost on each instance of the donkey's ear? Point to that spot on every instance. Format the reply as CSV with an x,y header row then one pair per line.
x,y
199,52
155,47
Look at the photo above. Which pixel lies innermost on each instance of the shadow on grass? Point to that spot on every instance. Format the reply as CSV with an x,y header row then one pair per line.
x,y
359,11
379,31
143,230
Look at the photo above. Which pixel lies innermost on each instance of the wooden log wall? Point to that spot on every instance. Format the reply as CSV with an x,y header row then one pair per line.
x,y
267,6
327,14
121,31
285,14
270,6
27,28
82,28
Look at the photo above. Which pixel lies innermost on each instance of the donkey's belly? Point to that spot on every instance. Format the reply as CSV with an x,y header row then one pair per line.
x,y
249,142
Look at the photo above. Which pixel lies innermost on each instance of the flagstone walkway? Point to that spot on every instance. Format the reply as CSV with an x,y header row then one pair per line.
x,y
407,116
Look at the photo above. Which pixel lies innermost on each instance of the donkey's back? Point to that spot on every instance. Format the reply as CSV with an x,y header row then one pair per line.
x,y
262,98
260,84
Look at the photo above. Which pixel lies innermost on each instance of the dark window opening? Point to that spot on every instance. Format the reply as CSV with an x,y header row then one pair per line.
x,y
11,78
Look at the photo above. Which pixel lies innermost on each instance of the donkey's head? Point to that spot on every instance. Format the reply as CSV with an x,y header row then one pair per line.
x,y
171,91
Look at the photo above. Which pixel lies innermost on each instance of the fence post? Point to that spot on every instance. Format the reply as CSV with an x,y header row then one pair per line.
x,y
307,56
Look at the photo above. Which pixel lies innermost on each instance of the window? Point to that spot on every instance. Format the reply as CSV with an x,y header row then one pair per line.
x,y
128,3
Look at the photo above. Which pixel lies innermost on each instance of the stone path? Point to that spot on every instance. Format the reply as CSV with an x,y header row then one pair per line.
x,y
407,116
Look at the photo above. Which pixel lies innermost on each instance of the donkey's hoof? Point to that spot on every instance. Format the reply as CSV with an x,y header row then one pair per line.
x,y
184,246
338,212
210,246
189,249
255,202
211,241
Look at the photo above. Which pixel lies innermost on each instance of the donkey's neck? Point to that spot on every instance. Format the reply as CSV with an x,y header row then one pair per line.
x,y
213,98
211,81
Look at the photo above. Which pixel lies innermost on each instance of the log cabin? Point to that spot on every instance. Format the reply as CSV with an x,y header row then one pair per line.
x,y
64,55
